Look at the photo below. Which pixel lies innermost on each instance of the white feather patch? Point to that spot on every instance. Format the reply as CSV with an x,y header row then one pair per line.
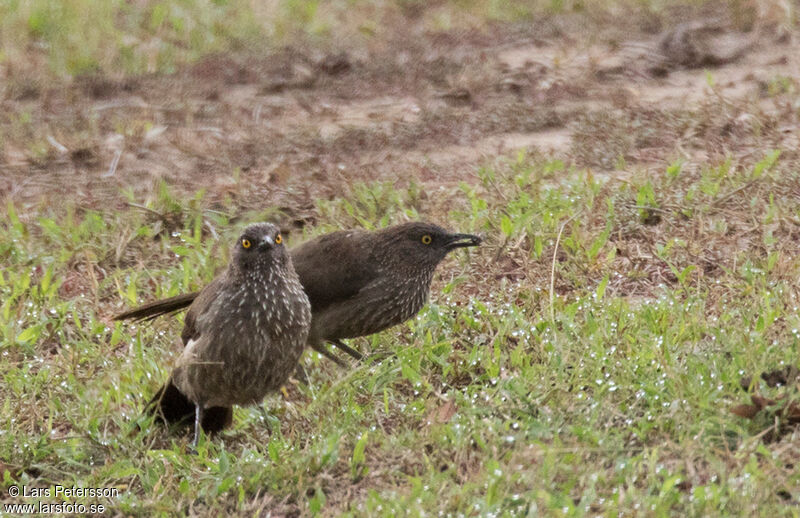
x,y
190,345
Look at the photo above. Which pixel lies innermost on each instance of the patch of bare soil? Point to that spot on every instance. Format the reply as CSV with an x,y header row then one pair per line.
x,y
299,124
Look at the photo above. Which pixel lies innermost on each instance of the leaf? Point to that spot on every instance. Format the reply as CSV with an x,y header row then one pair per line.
x,y
131,292
357,467
14,219
30,334
44,284
409,372
506,226
684,274
670,483
538,246
358,450
181,250
225,485
766,163
116,335
224,464
272,449
674,169
598,244
317,502
601,288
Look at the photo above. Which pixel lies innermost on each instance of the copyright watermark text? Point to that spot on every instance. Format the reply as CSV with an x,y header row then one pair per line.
x,y
57,499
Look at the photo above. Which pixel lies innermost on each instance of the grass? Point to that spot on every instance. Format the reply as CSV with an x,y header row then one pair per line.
x,y
609,394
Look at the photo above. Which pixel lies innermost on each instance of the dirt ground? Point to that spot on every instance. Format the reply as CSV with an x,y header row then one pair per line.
x,y
292,126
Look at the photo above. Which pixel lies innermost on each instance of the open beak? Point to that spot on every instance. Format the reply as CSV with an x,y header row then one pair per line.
x,y
462,241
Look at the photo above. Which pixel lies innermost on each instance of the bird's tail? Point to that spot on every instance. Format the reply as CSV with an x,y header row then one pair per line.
x,y
159,307
172,407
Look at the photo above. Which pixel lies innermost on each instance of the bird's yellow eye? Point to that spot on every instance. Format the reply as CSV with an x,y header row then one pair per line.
x,y
426,239
245,243
278,239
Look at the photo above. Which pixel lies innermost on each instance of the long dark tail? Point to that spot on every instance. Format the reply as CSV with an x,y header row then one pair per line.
x,y
173,408
159,307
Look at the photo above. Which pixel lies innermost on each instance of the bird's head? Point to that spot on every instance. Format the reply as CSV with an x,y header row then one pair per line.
x,y
260,246
424,245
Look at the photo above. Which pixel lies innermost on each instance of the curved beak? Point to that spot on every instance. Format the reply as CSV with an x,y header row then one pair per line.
x,y
462,241
266,242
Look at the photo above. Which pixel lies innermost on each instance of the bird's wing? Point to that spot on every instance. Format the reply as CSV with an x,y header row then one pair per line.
x,y
191,328
334,267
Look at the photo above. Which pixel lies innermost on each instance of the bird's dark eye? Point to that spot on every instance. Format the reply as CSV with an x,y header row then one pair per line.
x,y
245,243
426,239
278,239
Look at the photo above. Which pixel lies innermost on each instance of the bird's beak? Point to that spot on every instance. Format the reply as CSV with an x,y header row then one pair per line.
x,y
462,240
267,242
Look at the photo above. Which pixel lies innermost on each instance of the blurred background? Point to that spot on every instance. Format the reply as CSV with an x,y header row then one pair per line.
x,y
125,93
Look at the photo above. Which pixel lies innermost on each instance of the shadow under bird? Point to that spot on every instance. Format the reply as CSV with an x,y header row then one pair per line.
x,y
358,283
243,335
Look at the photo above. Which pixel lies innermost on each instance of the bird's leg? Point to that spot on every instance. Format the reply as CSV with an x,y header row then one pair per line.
x,y
198,419
300,374
346,348
320,348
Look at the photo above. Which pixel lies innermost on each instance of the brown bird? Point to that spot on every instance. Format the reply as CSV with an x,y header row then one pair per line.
x,y
358,282
243,334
